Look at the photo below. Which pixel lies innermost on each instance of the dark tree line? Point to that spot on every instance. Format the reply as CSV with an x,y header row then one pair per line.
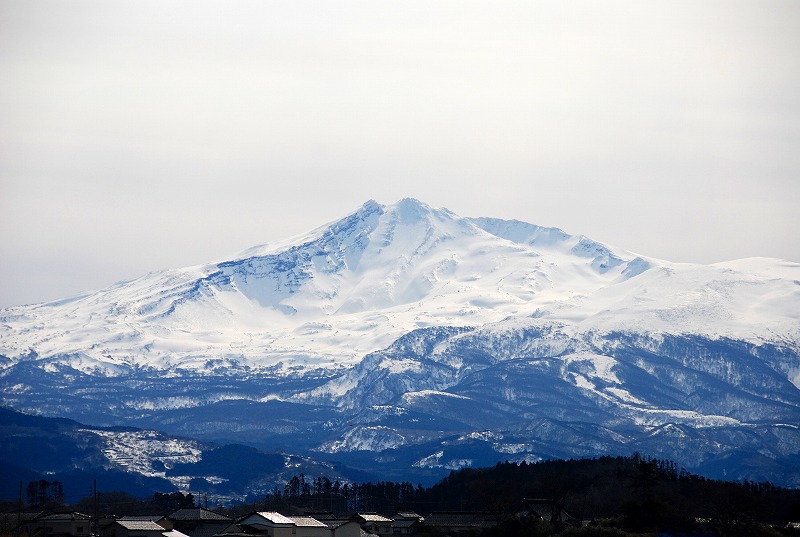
x,y
49,496
44,494
625,494
618,494
322,494
169,502
631,493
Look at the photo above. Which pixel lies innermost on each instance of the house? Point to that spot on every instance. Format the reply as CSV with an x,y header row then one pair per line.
x,y
163,521
134,528
548,510
269,523
374,523
9,522
460,522
199,522
345,528
275,524
405,523
272,524
59,525
339,527
307,526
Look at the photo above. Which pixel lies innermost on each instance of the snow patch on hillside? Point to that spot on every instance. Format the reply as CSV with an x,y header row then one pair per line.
x,y
365,438
400,366
410,397
137,451
435,461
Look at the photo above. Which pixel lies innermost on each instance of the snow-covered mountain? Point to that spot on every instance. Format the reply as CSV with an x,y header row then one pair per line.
x,y
354,286
403,329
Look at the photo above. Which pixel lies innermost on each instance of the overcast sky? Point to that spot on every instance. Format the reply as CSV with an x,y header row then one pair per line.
x,y
143,135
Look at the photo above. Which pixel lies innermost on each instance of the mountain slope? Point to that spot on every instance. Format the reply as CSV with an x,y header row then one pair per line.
x,y
343,290
534,389
354,286
140,461
422,337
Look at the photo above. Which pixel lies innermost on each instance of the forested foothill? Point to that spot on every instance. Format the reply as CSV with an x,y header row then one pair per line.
x,y
607,497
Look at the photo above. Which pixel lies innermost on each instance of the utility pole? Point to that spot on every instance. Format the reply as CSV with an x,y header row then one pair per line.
x,y
96,521
19,508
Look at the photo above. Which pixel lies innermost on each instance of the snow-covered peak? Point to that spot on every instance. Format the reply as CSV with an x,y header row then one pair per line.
x,y
410,211
353,286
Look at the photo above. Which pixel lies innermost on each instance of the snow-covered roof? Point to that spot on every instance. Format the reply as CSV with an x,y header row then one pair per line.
x,y
173,533
272,516
373,517
306,521
66,516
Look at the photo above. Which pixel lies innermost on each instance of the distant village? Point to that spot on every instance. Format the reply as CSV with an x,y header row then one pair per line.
x,y
535,518
201,522
604,497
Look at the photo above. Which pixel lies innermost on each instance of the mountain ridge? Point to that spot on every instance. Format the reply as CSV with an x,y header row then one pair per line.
x,y
410,334
279,284
413,253
141,460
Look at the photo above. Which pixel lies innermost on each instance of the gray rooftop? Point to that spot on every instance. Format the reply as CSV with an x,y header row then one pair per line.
x,y
140,525
66,516
197,513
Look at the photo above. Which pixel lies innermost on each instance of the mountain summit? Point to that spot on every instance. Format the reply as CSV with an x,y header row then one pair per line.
x,y
344,289
419,328
357,284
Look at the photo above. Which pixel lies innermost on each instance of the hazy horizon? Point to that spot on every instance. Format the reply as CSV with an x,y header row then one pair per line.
x,y
146,136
